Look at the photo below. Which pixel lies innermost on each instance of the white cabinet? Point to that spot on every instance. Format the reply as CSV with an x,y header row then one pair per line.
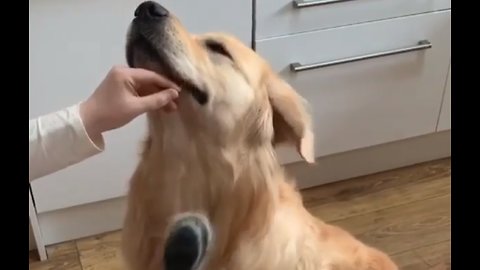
x,y
444,121
372,101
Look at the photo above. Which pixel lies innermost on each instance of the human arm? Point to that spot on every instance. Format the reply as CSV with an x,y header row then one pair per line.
x,y
58,140
68,136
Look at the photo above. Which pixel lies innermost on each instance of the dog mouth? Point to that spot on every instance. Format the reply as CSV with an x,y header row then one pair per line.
x,y
151,45
141,49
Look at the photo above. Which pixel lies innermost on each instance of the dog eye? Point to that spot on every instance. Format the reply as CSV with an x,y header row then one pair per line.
x,y
217,47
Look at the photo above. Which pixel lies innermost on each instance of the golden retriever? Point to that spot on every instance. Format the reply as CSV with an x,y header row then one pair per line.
x,y
215,156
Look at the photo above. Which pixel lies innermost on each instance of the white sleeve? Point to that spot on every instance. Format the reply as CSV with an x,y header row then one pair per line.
x,y
58,140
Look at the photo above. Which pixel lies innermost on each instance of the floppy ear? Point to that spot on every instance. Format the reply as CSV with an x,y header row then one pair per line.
x,y
291,121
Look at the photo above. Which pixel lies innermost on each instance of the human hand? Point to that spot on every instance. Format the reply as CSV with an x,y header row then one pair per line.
x,y
124,94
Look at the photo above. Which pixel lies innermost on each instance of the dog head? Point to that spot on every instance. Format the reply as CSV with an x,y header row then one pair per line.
x,y
229,93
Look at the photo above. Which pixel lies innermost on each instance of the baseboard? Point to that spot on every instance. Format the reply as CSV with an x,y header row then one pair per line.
x,y
81,221
372,159
86,220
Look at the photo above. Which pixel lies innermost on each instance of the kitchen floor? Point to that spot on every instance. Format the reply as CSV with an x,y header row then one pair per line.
x,y
405,212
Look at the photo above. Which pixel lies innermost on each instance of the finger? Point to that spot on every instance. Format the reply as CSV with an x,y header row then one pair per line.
x,y
146,80
157,100
170,107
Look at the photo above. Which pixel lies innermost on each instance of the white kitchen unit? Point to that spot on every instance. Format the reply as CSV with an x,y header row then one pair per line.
x,y
376,75
362,103
375,72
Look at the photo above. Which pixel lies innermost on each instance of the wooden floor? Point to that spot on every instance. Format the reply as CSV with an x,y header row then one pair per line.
x,y
405,212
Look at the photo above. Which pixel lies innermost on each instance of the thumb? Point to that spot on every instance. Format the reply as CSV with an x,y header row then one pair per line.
x,y
156,101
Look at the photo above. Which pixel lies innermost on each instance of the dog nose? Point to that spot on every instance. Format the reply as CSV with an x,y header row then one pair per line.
x,y
187,243
150,9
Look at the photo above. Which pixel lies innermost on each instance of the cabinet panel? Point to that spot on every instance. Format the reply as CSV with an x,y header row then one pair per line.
x,y
283,17
372,101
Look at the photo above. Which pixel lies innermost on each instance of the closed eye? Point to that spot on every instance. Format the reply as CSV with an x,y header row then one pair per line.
x,y
218,48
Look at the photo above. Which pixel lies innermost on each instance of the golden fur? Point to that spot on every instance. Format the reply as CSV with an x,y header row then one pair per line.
x,y
218,160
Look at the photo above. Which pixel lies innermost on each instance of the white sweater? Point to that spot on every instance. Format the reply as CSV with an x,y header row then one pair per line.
x,y
58,140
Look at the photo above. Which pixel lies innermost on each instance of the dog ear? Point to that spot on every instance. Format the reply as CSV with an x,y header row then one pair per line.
x,y
291,121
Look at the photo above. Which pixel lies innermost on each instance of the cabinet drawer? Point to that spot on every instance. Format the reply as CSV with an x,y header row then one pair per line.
x,y
372,101
282,17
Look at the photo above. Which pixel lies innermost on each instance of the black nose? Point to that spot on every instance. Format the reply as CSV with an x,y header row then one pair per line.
x,y
150,9
187,244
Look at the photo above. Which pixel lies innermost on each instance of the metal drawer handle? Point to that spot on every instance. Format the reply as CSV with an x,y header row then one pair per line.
x,y
422,45
306,3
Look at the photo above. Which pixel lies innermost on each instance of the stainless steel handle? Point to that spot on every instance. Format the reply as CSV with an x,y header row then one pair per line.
x,y
306,3
421,45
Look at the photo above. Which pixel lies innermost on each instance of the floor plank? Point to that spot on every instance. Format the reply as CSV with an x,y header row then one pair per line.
x,y
62,249
382,199
409,261
101,252
365,185
69,262
33,256
403,228
437,256
62,256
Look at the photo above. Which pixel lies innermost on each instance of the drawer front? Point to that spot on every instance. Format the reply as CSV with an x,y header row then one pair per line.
x,y
282,17
72,46
444,121
372,101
